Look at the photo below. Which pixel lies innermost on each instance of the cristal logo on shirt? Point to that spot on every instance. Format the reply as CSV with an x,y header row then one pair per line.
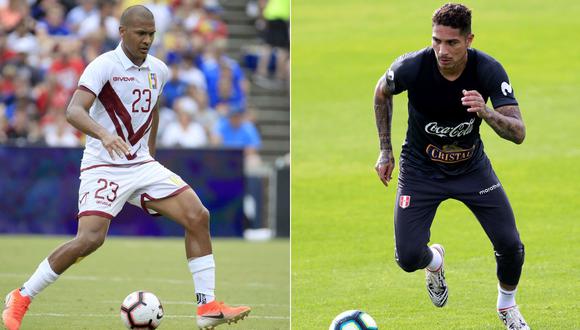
x,y
449,153
450,131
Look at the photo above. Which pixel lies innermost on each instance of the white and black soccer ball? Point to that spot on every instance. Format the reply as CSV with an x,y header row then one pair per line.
x,y
141,310
353,320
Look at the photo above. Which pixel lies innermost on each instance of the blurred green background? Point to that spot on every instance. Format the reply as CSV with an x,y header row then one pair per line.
x,y
342,231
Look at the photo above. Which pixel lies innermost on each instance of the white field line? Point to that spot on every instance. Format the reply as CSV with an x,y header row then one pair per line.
x,y
129,279
263,317
169,302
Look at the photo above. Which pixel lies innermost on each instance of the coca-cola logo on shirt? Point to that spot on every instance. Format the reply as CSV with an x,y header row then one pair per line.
x,y
450,131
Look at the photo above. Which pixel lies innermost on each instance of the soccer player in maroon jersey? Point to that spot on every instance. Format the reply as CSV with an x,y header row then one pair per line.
x,y
116,106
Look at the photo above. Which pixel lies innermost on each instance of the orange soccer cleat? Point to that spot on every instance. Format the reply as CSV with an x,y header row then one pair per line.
x,y
215,313
15,307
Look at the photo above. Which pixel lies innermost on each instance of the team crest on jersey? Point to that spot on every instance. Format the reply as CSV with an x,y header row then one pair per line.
x,y
152,80
404,201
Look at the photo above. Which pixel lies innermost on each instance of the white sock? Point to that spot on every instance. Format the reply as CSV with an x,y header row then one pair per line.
x,y
42,277
505,298
203,272
436,262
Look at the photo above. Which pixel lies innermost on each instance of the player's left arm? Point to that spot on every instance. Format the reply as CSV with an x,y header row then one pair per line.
x,y
505,120
153,134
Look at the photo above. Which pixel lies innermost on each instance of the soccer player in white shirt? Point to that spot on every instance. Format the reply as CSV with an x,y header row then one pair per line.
x,y
116,106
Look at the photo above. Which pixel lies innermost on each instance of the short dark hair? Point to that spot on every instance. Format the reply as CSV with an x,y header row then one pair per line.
x,y
454,15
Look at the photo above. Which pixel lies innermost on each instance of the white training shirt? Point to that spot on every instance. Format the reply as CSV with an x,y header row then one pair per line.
x,y
126,95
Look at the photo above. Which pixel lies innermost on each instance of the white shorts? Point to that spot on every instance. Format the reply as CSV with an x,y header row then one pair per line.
x,y
105,189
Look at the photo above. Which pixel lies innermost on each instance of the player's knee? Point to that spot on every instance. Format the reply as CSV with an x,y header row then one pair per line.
x,y
409,261
197,219
509,264
90,243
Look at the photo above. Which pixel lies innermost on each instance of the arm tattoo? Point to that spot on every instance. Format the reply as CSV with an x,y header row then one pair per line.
x,y
507,122
383,114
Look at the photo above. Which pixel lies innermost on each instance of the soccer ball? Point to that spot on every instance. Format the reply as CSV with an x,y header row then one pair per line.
x,y
141,310
353,320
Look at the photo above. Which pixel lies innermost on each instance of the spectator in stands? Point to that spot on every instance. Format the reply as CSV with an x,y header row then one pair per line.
x,y
67,65
23,130
205,115
50,94
213,63
235,131
210,26
59,133
186,132
5,52
174,87
189,12
163,19
12,13
39,8
277,37
227,98
53,24
78,14
187,16
39,69
191,74
7,87
102,23
255,10
93,46
18,97
22,39
23,67
175,45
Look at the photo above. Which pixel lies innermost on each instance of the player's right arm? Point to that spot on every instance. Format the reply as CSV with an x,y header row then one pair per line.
x,y
77,114
398,78
383,104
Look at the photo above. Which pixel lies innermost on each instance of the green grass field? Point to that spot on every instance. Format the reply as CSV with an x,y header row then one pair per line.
x,y
89,295
342,231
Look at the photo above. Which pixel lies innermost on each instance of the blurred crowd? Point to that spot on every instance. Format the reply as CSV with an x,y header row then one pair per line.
x,y
272,20
46,44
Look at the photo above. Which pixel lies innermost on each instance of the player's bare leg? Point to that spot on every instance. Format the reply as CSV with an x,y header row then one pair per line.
x,y
282,69
91,234
264,61
187,210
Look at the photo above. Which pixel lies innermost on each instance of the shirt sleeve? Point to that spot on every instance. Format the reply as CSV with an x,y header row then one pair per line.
x,y
403,72
496,83
95,76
